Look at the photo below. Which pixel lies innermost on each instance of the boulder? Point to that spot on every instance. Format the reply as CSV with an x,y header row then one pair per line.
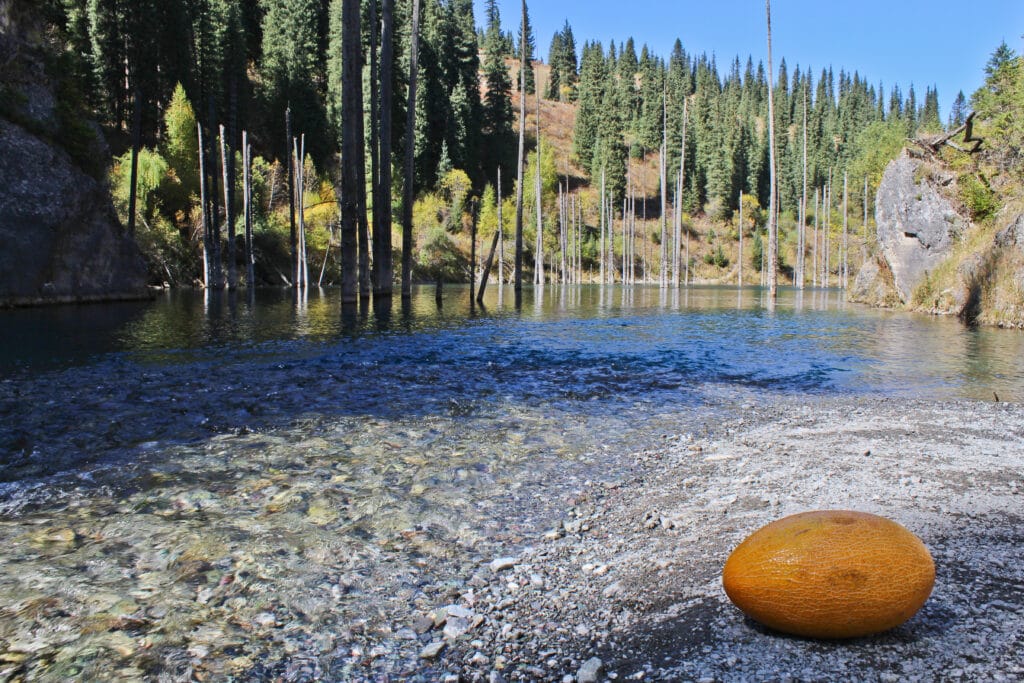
x,y
874,286
917,223
62,239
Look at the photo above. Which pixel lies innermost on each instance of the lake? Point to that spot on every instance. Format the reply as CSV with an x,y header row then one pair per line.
x,y
229,483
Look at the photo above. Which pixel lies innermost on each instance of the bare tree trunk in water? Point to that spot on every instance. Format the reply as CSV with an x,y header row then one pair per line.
x,y
291,199
383,261
133,195
250,276
802,249
410,133
494,247
301,173
501,237
475,209
846,232
207,247
375,156
603,226
217,272
522,151
773,227
663,275
227,155
682,188
352,154
740,279
539,255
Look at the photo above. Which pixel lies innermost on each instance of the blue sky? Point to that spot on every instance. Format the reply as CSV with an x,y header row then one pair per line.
x,y
935,43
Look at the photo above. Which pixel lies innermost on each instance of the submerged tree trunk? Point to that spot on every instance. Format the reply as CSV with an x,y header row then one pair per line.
x,y
802,249
740,278
539,255
682,189
250,276
487,266
133,194
291,199
410,132
773,227
351,152
663,169
383,259
207,247
217,271
522,160
501,237
227,155
375,155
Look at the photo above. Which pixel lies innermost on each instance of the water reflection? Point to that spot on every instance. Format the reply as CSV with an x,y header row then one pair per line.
x,y
709,332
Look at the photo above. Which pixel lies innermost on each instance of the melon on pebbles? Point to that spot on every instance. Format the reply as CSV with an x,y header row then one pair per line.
x,y
833,574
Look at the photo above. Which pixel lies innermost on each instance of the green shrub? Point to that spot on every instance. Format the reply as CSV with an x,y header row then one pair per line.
x,y
978,197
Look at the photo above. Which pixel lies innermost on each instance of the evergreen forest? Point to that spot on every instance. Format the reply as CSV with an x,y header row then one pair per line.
x,y
279,143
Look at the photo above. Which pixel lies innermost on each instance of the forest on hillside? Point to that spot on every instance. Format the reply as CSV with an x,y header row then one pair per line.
x,y
240,130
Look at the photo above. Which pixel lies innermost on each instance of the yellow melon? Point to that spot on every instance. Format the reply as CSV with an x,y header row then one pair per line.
x,y
833,574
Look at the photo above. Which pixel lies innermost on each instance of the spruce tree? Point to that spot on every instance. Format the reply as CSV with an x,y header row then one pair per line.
x,y
529,43
498,137
292,72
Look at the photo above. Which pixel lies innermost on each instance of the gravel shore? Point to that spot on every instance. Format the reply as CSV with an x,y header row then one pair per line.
x,y
628,588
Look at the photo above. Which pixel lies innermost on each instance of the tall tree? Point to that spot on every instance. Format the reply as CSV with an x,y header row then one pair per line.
x,y
409,190
498,137
383,259
522,158
527,48
292,71
352,154
773,228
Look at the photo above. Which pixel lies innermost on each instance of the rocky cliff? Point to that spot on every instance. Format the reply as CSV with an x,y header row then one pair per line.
x,y
61,240
933,258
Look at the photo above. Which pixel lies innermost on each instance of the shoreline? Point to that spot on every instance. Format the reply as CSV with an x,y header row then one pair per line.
x,y
633,576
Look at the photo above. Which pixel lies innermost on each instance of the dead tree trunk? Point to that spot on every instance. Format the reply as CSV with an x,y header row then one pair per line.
x,y
250,275
501,236
291,199
773,228
410,133
522,159
133,194
375,155
663,169
539,255
383,259
207,247
352,154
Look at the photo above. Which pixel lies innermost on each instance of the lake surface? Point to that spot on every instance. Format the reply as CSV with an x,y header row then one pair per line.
x,y
201,483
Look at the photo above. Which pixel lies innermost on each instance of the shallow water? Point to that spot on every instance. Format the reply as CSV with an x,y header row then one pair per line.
x,y
207,484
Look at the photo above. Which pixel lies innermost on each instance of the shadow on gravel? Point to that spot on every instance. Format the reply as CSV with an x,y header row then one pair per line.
x,y
972,624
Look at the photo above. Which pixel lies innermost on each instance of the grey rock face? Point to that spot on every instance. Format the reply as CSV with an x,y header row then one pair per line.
x,y
62,241
916,224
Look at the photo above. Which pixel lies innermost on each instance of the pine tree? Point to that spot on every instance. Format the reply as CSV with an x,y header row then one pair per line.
x,y
593,80
958,113
292,72
498,137
555,54
529,43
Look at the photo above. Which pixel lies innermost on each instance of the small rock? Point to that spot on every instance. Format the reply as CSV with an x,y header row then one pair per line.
x,y
455,628
590,670
503,563
614,590
433,650
422,624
